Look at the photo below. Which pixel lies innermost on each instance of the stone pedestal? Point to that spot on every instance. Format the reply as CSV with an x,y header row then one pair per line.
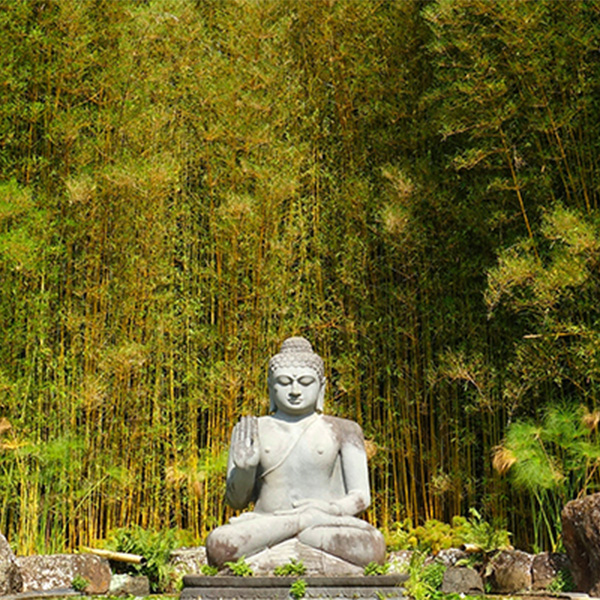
x,y
278,588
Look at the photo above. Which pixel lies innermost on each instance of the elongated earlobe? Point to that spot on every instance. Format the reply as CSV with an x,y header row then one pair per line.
x,y
321,398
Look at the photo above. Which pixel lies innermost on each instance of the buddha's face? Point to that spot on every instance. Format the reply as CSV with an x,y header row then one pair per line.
x,y
295,390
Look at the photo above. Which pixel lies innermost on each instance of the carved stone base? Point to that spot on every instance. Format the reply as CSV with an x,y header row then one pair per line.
x,y
316,562
278,588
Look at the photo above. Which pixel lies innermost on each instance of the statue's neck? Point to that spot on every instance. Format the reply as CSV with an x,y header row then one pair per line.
x,y
287,418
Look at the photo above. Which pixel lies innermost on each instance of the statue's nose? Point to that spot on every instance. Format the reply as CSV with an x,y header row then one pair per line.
x,y
295,389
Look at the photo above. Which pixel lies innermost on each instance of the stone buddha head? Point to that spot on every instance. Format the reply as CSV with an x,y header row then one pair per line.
x,y
296,378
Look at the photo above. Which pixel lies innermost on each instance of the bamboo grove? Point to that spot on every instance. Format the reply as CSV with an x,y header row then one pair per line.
x,y
412,185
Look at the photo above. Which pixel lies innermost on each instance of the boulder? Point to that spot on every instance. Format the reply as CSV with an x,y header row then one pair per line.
x,y
129,585
55,571
316,562
546,568
188,561
581,537
450,556
11,581
510,571
462,580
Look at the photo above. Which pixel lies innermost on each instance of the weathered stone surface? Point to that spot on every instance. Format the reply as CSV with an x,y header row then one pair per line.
x,y
316,561
462,580
58,571
399,560
546,567
581,537
450,556
10,577
128,585
511,571
278,588
186,561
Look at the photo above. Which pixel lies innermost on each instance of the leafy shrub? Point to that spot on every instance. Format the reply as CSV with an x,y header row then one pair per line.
x,y
154,546
435,535
424,581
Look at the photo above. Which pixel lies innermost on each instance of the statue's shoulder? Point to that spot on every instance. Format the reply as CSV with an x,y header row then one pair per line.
x,y
344,427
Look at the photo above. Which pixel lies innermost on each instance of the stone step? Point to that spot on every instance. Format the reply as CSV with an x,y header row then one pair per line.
x,y
278,588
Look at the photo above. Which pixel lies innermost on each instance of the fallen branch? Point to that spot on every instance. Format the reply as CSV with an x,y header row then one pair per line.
x,y
134,559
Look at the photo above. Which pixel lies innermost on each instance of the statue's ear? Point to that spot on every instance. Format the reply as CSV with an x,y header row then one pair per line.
x,y
321,398
272,405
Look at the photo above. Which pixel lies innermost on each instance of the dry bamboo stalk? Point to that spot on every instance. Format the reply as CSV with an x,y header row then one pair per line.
x,y
134,559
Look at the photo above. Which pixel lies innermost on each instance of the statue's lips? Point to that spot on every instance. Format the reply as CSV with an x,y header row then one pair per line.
x,y
295,400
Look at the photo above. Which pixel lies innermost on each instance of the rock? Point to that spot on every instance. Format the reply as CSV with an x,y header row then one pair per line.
x,y
399,561
450,556
546,567
129,585
188,561
11,581
511,571
315,561
48,572
581,537
462,580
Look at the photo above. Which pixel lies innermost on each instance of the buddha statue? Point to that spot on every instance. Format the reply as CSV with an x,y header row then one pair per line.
x,y
306,472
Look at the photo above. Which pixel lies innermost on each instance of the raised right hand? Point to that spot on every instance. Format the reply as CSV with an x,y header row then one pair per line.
x,y
245,446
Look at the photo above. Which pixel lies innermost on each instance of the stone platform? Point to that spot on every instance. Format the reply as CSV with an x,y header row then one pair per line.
x,y
278,588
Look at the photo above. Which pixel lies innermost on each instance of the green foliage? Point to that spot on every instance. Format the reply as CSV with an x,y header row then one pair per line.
x,y
374,568
435,535
298,589
555,460
207,569
563,582
79,583
186,183
424,580
240,568
294,567
154,546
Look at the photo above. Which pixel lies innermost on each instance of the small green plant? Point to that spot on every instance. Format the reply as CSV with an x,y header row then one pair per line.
x,y
298,589
424,581
374,568
563,582
208,570
294,567
79,583
240,568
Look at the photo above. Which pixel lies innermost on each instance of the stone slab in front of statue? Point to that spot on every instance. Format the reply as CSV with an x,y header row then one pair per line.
x,y
316,562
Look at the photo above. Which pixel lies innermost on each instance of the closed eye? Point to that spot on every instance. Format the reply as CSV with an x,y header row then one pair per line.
x,y
306,380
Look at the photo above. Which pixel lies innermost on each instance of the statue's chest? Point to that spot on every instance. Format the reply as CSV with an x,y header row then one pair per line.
x,y
311,451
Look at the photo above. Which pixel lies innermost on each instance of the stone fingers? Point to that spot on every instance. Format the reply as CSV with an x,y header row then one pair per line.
x,y
254,424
